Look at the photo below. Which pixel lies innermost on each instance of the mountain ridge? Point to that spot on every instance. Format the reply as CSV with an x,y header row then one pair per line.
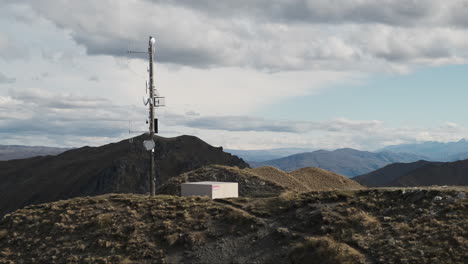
x,y
11,152
346,161
266,154
120,167
445,173
420,173
384,176
437,151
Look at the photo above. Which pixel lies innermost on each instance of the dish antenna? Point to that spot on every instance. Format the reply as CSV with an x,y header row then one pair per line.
x,y
149,144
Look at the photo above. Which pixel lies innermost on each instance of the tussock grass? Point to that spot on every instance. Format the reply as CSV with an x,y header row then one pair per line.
x,y
324,250
288,196
172,239
346,228
126,261
361,218
3,233
196,238
104,220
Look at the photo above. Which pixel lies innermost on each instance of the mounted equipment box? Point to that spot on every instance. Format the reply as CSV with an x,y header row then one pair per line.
x,y
212,189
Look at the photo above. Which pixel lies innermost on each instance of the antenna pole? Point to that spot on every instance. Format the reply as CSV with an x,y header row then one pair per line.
x,y
152,178
153,125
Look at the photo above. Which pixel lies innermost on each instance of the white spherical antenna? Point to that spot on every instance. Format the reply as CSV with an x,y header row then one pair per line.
x,y
152,40
149,144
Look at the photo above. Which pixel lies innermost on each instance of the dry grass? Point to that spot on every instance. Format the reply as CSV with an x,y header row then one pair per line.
x,y
363,219
236,216
280,177
288,196
196,238
347,226
250,184
403,227
324,250
126,261
3,233
104,220
172,239
320,180
264,181
114,229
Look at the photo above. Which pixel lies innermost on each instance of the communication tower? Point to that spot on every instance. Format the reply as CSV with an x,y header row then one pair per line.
x,y
153,101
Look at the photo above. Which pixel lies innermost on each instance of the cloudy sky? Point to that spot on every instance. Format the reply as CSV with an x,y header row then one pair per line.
x,y
244,74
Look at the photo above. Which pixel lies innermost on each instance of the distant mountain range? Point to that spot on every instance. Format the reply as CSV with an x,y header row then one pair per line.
x,y
386,175
435,151
371,166
266,154
114,168
420,173
10,152
346,161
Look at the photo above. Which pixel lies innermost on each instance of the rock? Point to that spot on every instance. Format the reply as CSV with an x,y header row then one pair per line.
x,y
387,218
437,198
451,200
461,195
418,195
387,211
283,232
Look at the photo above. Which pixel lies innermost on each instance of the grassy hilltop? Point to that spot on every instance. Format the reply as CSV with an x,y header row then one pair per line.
x,y
352,226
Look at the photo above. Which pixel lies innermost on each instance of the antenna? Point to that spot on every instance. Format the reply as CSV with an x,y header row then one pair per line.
x,y
153,101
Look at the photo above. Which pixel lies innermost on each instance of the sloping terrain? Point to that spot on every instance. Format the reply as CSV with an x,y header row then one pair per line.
x,y
281,178
367,226
386,175
319,179
250,184
265,154
114,168
448,173
265,181
458,156
421,173
347,162
10,152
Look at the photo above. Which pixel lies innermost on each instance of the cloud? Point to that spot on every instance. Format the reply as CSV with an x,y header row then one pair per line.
x,y
37,112
37,117
94,78
248,123
271,35
364,135
217,63
318,11
6,80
